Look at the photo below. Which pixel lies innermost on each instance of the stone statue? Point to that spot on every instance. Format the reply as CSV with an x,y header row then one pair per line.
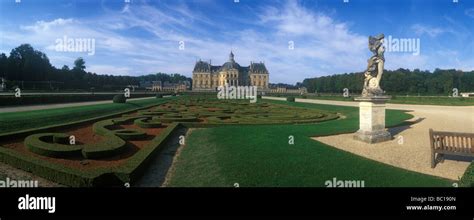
x,y
375,66
372,102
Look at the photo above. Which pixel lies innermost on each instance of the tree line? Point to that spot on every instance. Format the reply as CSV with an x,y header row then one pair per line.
x,y
400,81
25,64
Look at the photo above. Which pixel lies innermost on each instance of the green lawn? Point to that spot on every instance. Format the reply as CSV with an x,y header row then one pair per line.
x,y
260,155
16,121
416,100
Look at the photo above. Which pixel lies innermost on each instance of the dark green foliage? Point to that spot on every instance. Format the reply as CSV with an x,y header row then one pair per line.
x,y
28,68
43,144
290,99
120,98
54,172
401,81
61,139
467,179
159,96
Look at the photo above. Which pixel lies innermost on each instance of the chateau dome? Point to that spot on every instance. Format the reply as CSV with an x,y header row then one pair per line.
x,y
230,65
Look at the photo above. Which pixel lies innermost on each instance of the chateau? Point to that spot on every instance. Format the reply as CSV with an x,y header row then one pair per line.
x,y
209,77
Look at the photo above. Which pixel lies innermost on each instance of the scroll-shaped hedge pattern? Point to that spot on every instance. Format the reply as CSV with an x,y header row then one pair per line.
x,y
186,110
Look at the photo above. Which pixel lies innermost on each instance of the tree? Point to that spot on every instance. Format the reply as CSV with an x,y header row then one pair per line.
x,y
80,64
3,65
26,63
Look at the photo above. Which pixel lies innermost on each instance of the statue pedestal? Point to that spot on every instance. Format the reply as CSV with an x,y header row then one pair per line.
x,y
372,119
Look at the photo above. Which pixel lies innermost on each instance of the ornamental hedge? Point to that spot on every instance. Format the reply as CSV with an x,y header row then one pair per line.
x,y
467,179
147,123
120,98
43,144
103,176
188,111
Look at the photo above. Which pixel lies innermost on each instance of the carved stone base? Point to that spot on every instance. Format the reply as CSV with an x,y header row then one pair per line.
x,y
372,137
372,120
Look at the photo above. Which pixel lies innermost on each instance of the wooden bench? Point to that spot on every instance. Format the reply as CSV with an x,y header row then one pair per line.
x,y
451,143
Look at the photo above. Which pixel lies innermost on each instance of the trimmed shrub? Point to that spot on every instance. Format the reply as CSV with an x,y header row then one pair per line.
x,y
61,139
43,144
290,99
159,96
147,123
467,179
120,98
259,96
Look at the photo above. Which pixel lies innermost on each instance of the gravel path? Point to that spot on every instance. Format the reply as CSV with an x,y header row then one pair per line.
x,y
410,148
62,105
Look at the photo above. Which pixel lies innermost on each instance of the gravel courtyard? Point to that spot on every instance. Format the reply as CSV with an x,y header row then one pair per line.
x,y
410,148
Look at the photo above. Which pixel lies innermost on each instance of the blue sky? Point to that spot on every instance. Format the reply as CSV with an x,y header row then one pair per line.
x,y
329,36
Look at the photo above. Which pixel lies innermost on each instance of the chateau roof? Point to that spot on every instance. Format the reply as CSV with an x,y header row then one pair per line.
x,y
258,68
205,67
202,66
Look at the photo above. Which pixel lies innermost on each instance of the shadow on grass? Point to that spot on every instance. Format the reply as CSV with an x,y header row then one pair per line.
x,y
155,173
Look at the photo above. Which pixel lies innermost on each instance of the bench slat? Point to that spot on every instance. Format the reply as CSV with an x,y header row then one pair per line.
x,y
452,143
445,133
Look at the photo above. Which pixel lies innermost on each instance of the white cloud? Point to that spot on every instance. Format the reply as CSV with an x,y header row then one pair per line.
x,y
430,31
323,45
48,25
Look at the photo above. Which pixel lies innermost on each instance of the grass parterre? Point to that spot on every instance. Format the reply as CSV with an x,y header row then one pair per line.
x,y
103,148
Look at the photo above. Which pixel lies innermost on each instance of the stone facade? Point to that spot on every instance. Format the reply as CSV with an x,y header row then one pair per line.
x,y
209,77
